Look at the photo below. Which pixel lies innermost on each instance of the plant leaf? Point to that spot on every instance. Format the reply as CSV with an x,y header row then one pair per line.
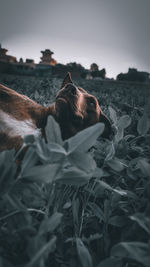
x,y
83,253
82,161
124,121
116,165
52,130
73,176
48,247
50,224
117,262
8,168
143,124
118,221
85,139
100,187
142,220
119,135
113,114
110,151
144,167
42,173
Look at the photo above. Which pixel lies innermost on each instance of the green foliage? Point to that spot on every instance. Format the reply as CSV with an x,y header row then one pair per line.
x,y
80,202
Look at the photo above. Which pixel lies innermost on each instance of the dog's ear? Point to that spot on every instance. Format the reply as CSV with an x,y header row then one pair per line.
x,y
67,79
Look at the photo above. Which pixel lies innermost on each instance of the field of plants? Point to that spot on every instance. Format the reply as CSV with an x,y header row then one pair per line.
x,y
83,202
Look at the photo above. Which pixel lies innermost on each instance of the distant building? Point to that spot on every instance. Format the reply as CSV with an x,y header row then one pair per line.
x,y
46,67
25,68
134,75
30,62
6,58
10,65
47,58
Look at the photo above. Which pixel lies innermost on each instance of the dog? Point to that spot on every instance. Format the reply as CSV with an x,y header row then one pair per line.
x,y
74,110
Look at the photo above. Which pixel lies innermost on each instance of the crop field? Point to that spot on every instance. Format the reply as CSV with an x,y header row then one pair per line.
x,y
83,202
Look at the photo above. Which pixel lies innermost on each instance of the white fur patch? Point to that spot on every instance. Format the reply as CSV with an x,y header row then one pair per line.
x,y
14,127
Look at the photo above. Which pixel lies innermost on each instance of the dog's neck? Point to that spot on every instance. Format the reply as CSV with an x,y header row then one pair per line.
x,y
50,110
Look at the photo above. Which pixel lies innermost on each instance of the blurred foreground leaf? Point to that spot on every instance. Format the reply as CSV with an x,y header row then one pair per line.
x,y
47,248
137,251
85,139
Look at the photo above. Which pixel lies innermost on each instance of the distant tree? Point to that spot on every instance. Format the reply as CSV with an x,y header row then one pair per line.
x,y
99,74
121,77
84,74
76,70
102,73
21,60
75,66
59,70
94,67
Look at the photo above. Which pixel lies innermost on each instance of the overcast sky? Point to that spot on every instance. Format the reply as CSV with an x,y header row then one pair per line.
x,y
115,34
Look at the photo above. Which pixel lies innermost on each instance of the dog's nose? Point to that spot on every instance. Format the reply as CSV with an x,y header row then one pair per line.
x,y
71,88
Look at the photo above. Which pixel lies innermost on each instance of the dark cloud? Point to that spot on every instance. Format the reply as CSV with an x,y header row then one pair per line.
x,y
114,33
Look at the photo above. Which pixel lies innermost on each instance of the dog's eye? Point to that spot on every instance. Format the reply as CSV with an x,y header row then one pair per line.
x,y
92,102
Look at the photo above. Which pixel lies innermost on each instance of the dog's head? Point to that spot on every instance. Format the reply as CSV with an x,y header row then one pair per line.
x,y
76,110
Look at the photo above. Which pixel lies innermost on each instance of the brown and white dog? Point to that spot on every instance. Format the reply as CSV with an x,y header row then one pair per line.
x,y
74,109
